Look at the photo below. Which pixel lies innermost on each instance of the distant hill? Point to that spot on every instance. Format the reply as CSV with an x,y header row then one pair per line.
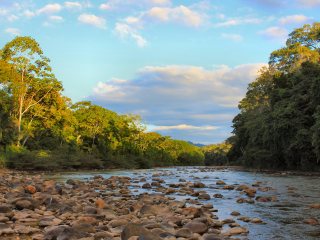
x,y
197,144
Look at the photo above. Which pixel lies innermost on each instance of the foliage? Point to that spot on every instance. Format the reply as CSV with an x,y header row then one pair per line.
x,y
279,121
43,130
216,154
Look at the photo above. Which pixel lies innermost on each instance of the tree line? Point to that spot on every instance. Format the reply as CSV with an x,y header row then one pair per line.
x,y
40,128
278,125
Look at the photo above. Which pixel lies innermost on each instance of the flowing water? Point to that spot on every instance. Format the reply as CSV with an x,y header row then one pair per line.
x,y
283,218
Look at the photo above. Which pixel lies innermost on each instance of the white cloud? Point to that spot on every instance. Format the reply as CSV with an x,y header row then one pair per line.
x,y
309,3
93,20
13,31
181,127
232,37
73,5
126,4
238,21
275,33
50,9
12,18
28,14
125,31
180,14
56,19
178,86
293,19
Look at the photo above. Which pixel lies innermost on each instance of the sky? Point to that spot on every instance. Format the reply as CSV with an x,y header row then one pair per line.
x,y
183,66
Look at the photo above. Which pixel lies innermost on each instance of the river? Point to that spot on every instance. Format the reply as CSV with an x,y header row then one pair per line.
x,y
283,218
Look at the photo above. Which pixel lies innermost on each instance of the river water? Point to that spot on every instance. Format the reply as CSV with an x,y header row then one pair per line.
x,y
283,218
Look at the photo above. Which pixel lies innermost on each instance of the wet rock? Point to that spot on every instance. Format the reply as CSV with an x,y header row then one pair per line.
x,y
315,206
311,221
218,195
146,186
256,220
235,213
220,182
228,187
236,231
204,196
199,185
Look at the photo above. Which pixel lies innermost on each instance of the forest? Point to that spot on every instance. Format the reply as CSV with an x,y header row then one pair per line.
x,y
278,126
42,129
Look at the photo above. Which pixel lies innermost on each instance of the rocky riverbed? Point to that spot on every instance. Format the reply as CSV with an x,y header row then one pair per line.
x,y
181,203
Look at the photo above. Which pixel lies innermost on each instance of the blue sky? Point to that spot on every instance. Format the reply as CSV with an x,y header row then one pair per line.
x,y
182,65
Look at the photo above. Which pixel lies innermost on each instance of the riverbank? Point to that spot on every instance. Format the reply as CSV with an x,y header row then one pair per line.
x,y
34,208
177,203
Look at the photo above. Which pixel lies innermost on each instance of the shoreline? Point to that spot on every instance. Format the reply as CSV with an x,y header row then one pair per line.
x,y
232,168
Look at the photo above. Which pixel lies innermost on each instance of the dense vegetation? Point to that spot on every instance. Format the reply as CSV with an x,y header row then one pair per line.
x,y
279,121
42,129
216,154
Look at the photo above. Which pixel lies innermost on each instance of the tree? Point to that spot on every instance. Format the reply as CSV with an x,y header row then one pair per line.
x,y
30,83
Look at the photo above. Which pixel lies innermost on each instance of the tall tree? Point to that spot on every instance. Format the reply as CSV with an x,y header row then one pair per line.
x,y
31,83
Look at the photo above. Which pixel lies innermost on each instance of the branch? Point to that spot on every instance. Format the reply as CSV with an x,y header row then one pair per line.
x,y
27,108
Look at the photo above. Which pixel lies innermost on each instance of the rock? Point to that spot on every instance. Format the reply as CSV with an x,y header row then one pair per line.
x,y
211,236
218,195
100,203
311,221
137,230
228,187
199,185
250,192
256,220
196,227
316,206
235,231
204,196
5,229
184,232
90,210
103,236
5,209
49,221
21,229
146,185
30,189
63,232
118,223
24,204
220,182
235,213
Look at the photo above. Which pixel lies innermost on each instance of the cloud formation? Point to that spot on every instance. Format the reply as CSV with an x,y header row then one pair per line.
x,y
50,9
93,20
275,33
232,37
13,31
294,19
177,98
